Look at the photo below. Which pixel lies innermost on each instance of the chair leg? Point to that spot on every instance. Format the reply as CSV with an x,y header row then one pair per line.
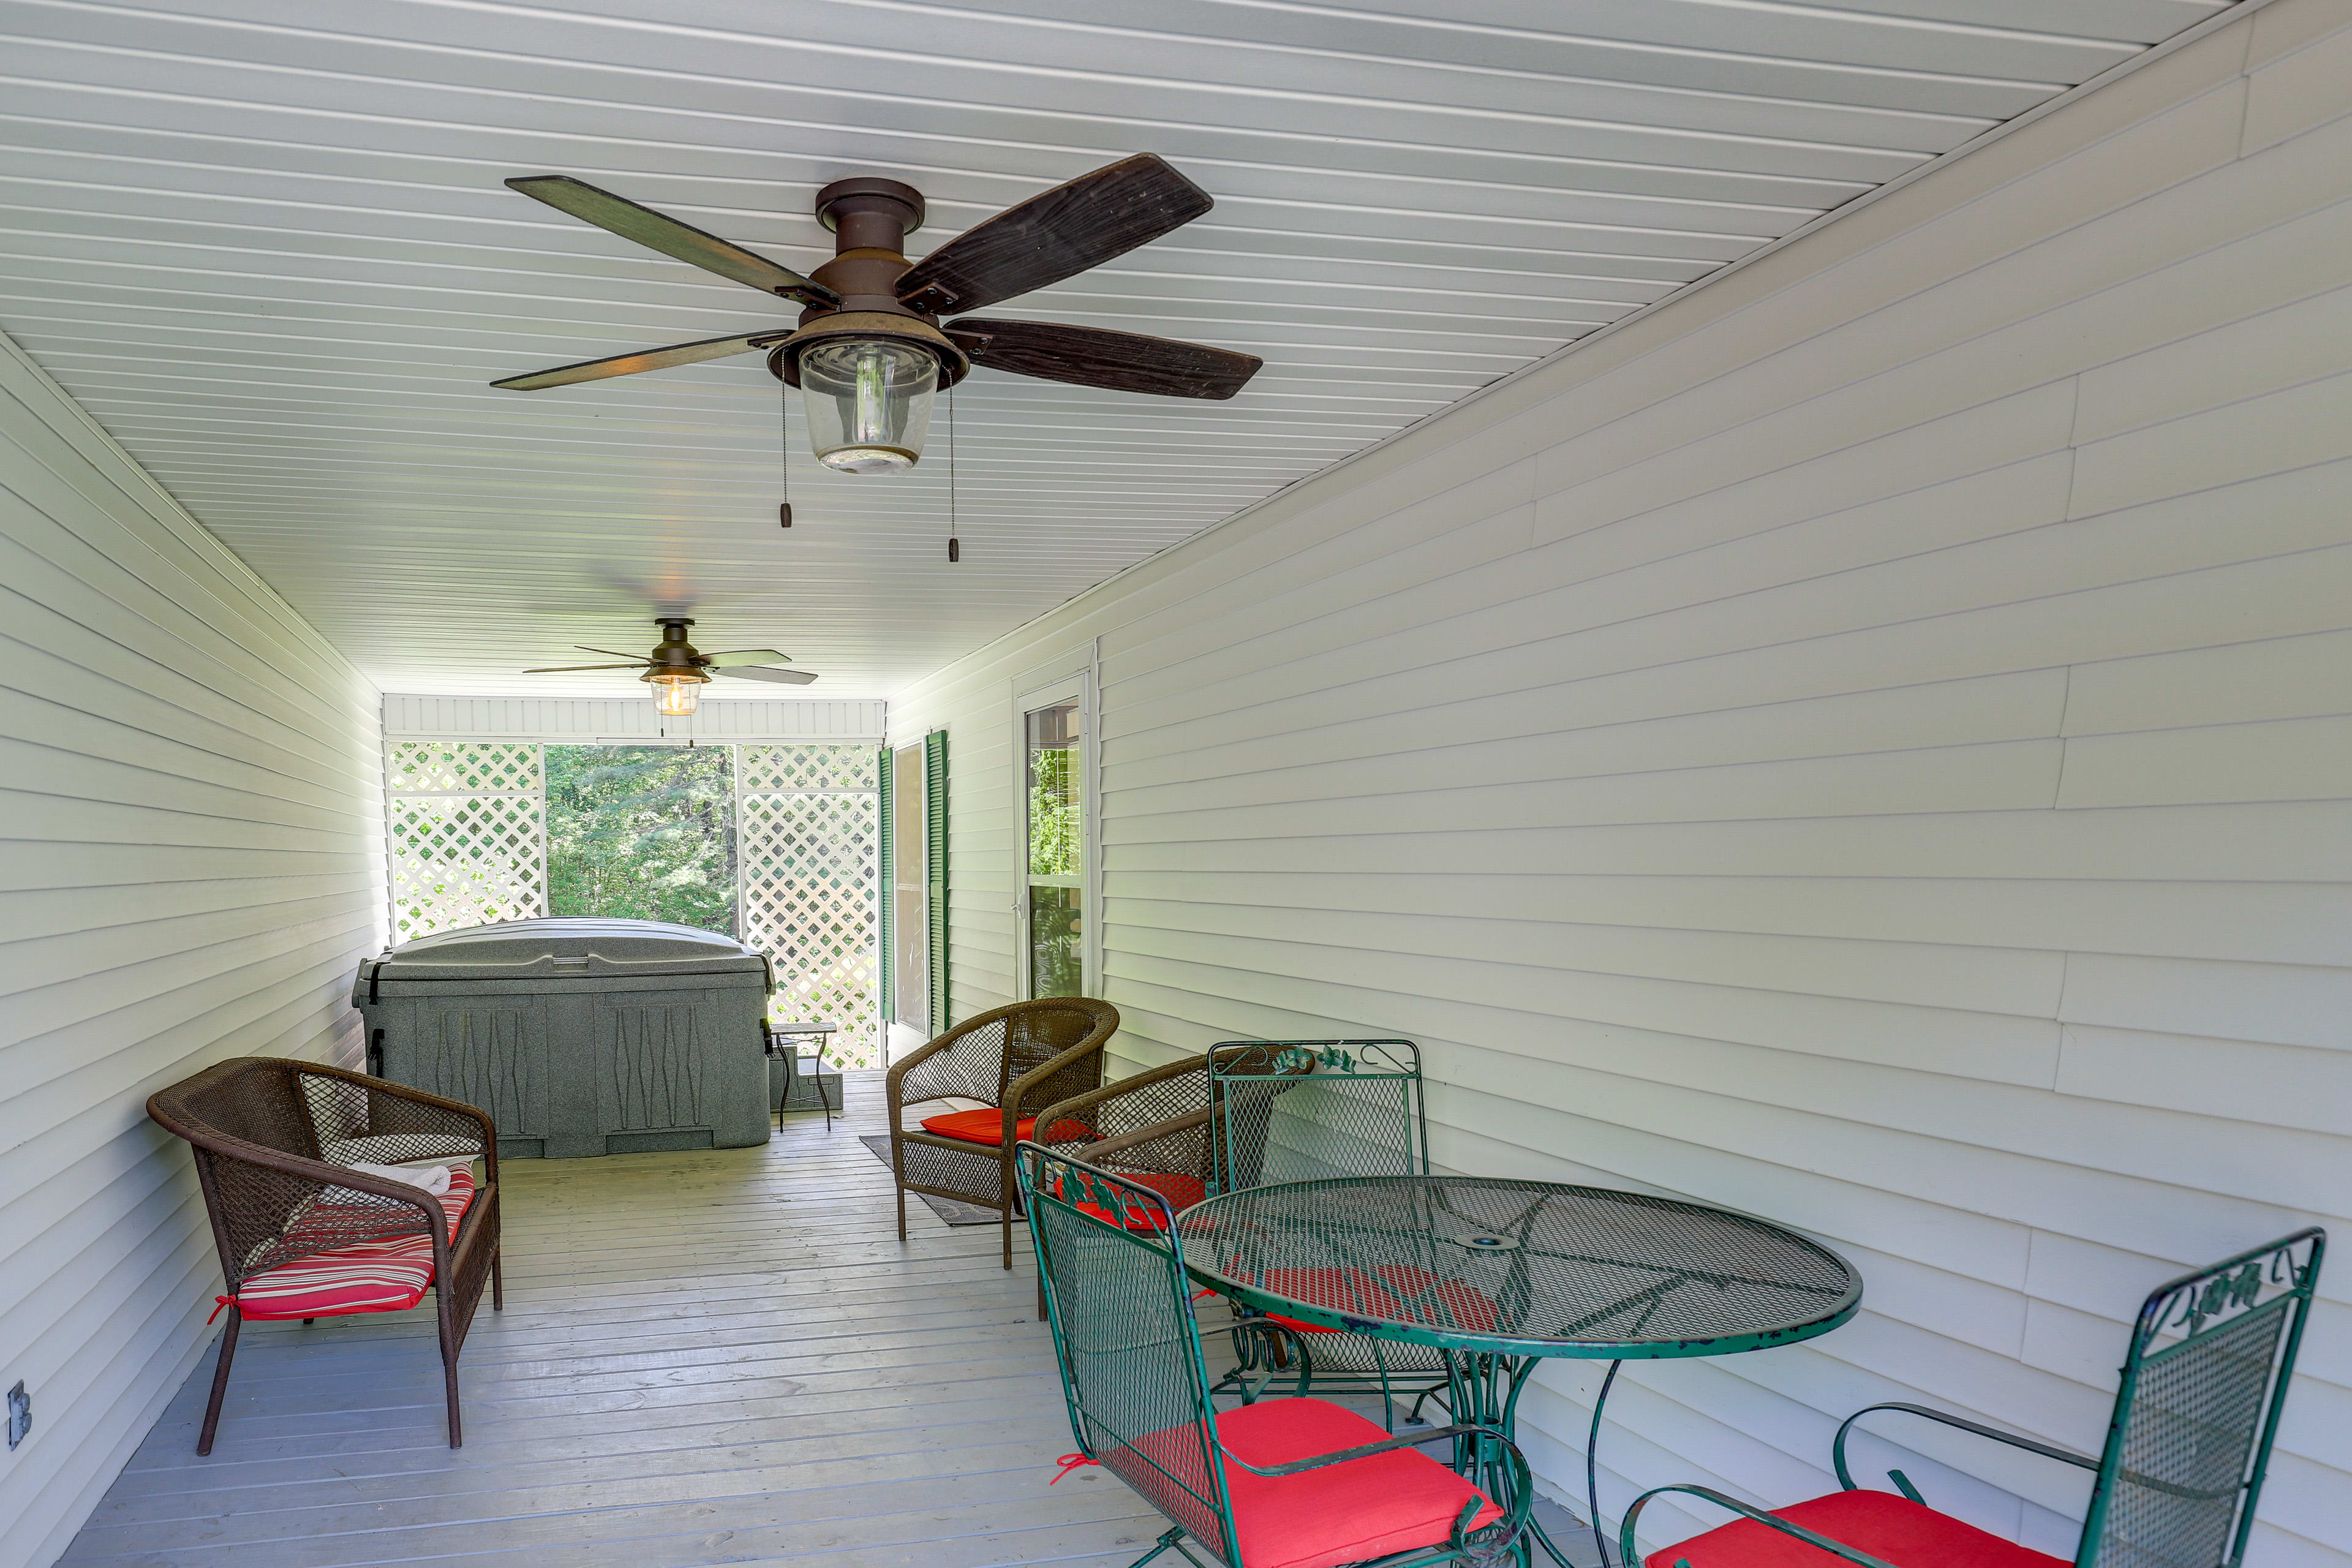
x,y
449,1377
497,1281
1008,1236
220,1382
898,1164
444,1308
1172,1541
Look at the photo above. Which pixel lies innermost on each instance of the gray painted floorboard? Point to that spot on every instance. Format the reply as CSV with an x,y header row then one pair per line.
x,y
717,1357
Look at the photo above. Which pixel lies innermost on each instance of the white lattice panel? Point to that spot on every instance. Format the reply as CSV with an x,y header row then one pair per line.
x,y
786,768
463,767
464,861
809,877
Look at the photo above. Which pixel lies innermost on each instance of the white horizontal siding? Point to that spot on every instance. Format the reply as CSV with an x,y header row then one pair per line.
x,y
191,868
599,719
1871,743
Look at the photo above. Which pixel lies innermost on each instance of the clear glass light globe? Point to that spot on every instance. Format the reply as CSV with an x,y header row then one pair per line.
x,y
869,403
676,698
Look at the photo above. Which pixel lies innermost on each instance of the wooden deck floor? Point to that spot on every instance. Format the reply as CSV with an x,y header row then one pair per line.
x,y
705,1358
715,1357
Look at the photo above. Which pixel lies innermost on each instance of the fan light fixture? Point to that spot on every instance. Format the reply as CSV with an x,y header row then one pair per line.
x,y
870,352
677,695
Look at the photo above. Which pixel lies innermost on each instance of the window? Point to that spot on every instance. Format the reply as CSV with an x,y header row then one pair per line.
x,y
1052,890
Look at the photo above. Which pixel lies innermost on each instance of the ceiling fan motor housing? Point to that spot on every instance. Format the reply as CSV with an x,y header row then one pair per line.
x,y
870,218
674,658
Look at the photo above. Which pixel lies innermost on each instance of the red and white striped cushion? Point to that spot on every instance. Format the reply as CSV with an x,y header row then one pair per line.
x,y
388,1275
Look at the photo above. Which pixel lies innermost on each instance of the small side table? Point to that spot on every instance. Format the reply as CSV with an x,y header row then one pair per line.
x,y
781,1038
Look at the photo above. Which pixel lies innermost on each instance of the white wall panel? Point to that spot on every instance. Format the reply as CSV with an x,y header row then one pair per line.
x,y
621,718
1866,743
191,867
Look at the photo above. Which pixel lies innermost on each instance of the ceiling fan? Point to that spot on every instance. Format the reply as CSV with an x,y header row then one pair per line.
x,y
677,673
869,352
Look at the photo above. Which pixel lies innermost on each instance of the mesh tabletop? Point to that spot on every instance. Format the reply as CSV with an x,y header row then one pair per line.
x,y
1519,1267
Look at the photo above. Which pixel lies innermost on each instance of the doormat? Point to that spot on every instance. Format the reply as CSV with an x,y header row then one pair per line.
x,y
951,1210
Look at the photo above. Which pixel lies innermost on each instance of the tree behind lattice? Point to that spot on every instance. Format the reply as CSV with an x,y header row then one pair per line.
x,y
462,767
810,869
463,860
785,768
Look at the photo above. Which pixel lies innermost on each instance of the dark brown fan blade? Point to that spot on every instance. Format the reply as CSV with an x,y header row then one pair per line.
x,y
1054,235
787,677
568,669
642,359
1089,357
745,656
616,653
659,231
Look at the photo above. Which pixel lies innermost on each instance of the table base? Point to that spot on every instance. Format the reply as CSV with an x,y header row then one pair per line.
x,y
1483,1389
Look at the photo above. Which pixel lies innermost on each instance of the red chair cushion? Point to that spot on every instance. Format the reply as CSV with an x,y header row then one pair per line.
x,y
1893,1529
1383,1293
1396,1501
1350,1290
1181,1190
986,1125
388,1275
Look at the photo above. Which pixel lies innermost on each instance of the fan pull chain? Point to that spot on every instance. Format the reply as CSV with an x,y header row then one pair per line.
x,y
955,549
785,418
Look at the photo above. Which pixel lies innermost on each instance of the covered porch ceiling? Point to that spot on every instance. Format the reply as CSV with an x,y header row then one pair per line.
x,y
266,245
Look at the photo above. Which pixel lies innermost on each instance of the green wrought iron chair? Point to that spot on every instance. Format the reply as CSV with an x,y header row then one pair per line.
x,y
1302,1110
1152,1126
2196,1413
1281,1483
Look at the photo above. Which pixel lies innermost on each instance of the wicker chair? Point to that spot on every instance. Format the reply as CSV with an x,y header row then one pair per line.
x,y
1283,1481
1302,1110
303,1235
998,1070
2197,1406
1153,1128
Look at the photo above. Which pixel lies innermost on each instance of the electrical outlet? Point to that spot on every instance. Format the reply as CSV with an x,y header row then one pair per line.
x,y
20,1415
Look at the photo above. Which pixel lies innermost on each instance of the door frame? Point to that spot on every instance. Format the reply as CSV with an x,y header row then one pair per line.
x,y
901,851
1042,689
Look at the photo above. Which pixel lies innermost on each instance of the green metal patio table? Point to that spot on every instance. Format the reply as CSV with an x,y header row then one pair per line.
x,y
1501,1274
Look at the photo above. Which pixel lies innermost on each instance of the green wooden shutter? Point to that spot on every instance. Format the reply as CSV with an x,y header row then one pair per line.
x,y
886,891
934,864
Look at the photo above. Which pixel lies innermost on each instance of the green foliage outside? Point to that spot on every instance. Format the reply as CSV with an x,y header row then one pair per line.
x,y
642,833
1053,812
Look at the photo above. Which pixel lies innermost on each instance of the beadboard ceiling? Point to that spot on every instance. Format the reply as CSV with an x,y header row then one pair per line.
x,y
264,243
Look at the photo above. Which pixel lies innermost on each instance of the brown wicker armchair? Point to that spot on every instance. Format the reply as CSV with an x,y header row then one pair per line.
x,y
301,1235
1001,1067
1153,1128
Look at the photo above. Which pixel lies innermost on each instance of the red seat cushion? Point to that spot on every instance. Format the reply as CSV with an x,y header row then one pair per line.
x,y
1391,1290
387,1276
1396,1501
1894,1529
1181,1190
1348,1290
986,1125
